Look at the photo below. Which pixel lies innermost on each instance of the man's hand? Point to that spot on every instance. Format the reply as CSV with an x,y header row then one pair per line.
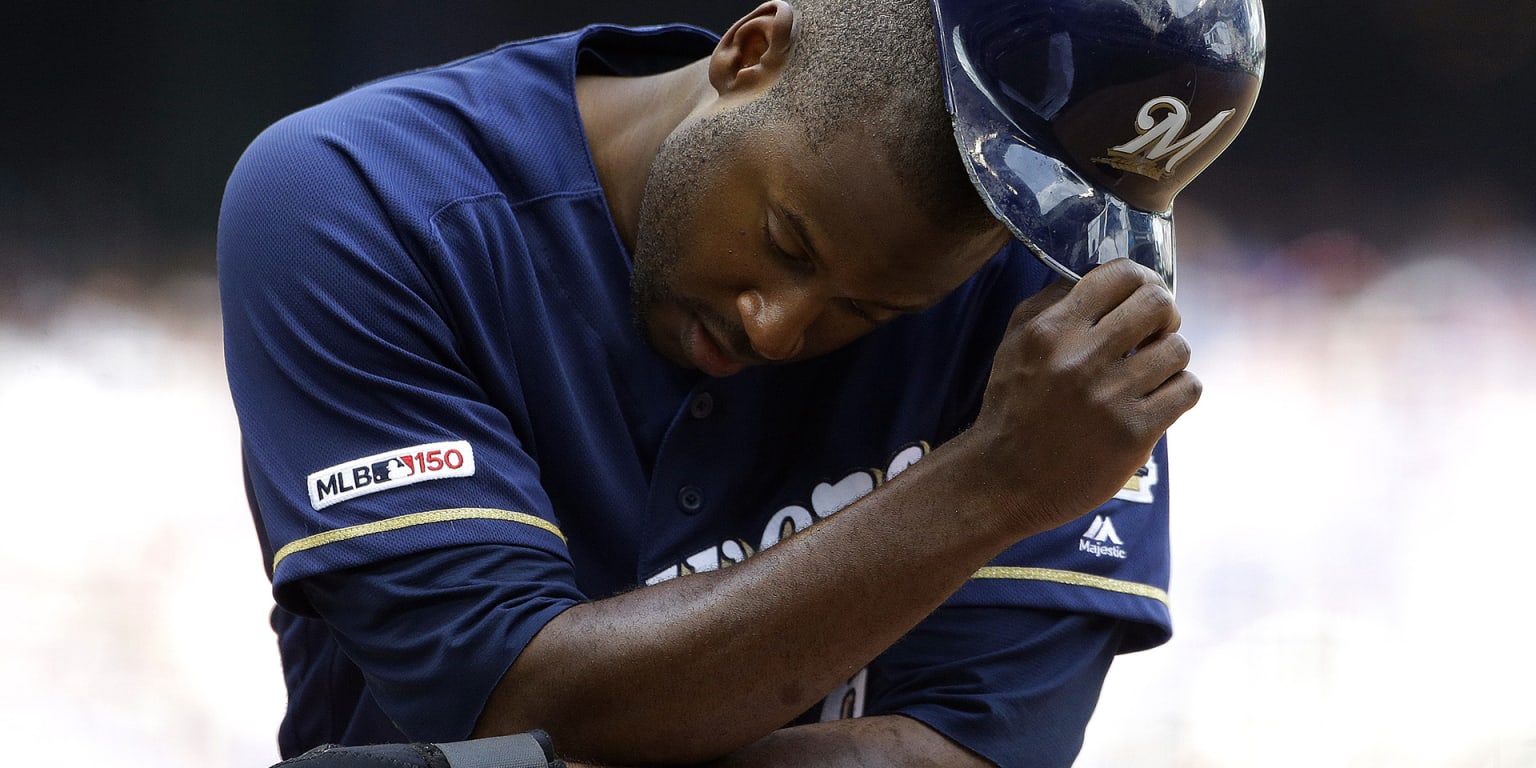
x,y
1085,382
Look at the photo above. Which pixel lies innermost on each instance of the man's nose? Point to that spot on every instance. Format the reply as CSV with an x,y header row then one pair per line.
x,y
776,322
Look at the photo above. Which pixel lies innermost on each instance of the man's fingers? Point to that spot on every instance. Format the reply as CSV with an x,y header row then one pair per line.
x,y
1099,293
1147,313
1170,400
1107,287
1158,360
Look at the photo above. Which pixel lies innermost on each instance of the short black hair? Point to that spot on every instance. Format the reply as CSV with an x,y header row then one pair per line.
x,y
876,63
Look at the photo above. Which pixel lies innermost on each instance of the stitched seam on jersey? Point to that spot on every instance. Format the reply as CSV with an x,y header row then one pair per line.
x,y
406,521
469,199
593,191
1073,578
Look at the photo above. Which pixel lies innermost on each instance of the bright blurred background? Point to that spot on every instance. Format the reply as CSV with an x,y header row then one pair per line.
x,y
1353,498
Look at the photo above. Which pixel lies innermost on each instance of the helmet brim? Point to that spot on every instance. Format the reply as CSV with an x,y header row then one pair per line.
x,y
1069,224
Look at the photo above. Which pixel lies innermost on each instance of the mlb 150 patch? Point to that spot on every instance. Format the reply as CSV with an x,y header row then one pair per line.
x,y
392,469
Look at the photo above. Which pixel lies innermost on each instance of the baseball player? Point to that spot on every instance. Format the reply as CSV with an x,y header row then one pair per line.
x,y
691,398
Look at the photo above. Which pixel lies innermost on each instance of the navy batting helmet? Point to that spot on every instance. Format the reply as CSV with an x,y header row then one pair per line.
x,y
1079,120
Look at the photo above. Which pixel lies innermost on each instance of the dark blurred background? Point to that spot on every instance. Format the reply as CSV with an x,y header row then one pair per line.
x,y
1383,118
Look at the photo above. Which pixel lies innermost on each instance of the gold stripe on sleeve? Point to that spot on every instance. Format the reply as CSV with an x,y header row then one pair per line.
x,y
1074,578
406,521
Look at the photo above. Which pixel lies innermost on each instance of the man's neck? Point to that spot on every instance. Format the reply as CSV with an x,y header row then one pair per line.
x,y
626,120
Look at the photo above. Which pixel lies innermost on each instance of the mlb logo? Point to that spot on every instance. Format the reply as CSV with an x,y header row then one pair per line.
x,y
392,469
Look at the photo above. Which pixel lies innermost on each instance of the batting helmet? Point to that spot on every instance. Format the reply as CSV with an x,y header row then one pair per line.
x,y
1079,120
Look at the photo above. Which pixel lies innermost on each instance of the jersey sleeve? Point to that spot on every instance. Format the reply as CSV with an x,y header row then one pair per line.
x,y
432,633
366,428
1015,686
1114,561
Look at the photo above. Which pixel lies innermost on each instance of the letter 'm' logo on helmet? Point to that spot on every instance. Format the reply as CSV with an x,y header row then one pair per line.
x,y
1159,149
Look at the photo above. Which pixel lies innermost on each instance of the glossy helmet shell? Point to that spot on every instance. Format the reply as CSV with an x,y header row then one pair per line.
x,y
1080,120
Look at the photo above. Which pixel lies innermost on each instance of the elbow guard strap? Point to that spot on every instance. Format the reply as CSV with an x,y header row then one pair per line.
x,y
521,750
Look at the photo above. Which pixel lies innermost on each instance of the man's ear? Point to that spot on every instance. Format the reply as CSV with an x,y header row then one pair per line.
x,y
752,53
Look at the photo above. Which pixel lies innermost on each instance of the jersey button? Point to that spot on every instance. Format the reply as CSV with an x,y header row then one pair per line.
x,y
690,499
702,406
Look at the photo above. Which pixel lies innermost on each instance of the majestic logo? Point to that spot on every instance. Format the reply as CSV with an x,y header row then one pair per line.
x,y
1159,149
393,469
1100,540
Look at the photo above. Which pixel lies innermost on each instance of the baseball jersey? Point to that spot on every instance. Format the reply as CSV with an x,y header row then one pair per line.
x,y
452,429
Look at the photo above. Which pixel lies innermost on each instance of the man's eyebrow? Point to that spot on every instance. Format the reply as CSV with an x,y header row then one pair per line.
x,y
803,234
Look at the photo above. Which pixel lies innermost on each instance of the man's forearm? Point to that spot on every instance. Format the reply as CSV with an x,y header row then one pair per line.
x,y
695,668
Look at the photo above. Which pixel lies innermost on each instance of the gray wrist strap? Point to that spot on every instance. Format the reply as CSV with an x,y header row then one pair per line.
x,y
520,750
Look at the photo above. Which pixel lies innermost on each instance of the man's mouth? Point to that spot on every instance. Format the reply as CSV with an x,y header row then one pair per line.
x,y
707,353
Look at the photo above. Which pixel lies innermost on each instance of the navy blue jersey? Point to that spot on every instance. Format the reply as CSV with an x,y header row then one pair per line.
x,y
452,430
